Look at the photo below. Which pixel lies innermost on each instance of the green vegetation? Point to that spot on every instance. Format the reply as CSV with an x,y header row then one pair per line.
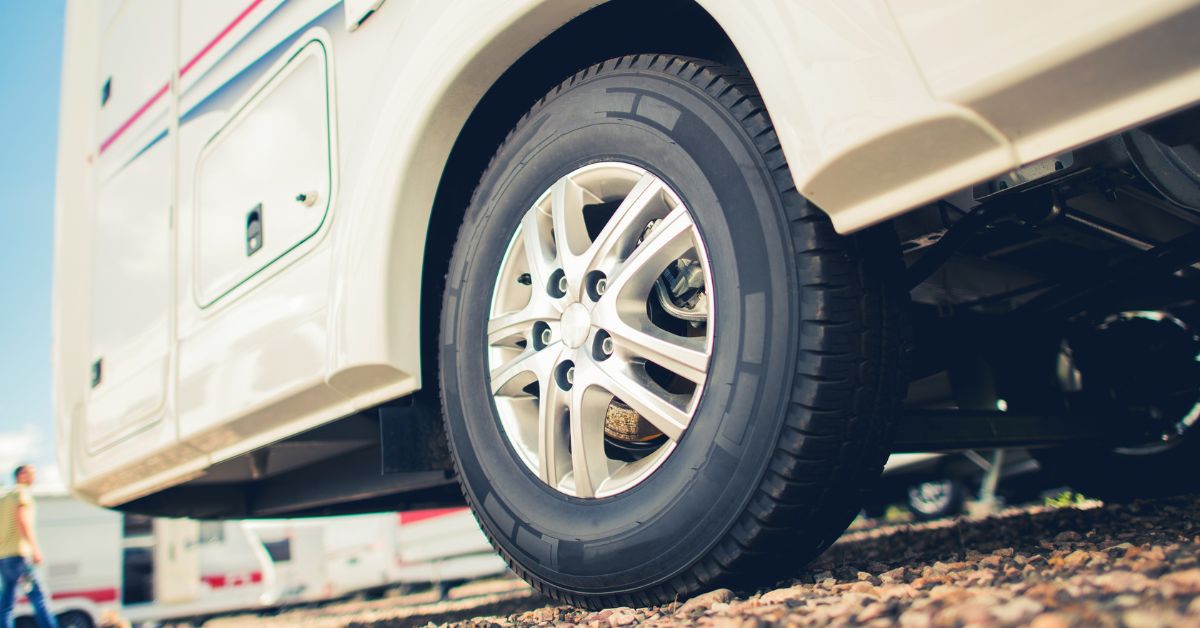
x,y
1066,499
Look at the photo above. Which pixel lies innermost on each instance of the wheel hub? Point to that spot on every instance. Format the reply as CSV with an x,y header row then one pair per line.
x,y
1139,366
575,323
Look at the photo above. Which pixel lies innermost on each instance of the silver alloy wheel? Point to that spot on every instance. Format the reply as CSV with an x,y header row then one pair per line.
x,y
931,498
577,323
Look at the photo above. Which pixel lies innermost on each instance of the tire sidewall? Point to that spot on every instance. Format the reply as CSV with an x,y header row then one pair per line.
x,y
660,527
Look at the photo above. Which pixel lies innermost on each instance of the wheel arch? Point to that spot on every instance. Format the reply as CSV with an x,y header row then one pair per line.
x,y
377,289
860,101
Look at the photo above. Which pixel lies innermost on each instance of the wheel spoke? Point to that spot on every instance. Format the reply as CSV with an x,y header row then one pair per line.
x,y
552,448
539,251
570,231
626,223
538,363
644,396
520,323
667,241
589,464
683,356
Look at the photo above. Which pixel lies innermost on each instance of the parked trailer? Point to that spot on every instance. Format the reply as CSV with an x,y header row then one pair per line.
x,y
329,557
443,545
101,562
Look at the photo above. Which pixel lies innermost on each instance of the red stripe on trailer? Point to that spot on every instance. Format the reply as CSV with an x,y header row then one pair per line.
x,y
214,581
221,580
184,70
99,596
413,516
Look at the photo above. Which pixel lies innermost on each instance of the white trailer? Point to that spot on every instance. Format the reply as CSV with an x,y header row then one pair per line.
x,y
443,545
101,563
329,557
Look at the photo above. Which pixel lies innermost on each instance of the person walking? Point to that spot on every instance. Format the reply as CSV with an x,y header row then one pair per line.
x,y
19,551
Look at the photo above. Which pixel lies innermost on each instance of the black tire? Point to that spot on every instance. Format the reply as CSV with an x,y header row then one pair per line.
x,y
936,499
794,423
75,619
1158,371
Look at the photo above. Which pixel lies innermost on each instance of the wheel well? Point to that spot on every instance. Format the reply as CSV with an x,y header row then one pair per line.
x,y
604,32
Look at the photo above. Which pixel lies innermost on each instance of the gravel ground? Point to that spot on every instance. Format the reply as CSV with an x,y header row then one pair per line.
x,y
1132,565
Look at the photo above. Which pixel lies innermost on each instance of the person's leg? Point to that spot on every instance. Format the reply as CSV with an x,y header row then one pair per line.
x,y
8,589
38,600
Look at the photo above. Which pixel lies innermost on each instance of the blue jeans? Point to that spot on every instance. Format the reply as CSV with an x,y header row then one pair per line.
x,y
11,571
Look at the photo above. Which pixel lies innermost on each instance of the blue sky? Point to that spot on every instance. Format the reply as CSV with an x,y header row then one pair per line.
x,y
30,62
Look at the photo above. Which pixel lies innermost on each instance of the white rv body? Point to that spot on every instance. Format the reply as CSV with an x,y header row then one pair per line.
x,y
177,350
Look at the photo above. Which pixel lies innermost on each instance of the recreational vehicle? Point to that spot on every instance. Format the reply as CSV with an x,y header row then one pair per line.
x,y
643,283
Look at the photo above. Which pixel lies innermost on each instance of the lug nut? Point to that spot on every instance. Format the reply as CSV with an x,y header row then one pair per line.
x,y
546,336
564,374
601,285
562,284
606,346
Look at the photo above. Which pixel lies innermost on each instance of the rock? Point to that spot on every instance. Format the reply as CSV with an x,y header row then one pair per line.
x,y
719,607
873,611
1188,579
548,613
622,617
1018,611
1139,618
864,587
895,575
598,616
1049,620
1076,559
926,582
1068,536
970,614
705,601
918,619
992,562
779,596
980,577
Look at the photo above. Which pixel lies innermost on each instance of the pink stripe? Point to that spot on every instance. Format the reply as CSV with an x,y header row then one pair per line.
x,y
137,114
188,66
221,35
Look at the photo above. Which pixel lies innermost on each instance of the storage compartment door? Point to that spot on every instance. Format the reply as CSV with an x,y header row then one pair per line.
x,y
264,180
131,224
